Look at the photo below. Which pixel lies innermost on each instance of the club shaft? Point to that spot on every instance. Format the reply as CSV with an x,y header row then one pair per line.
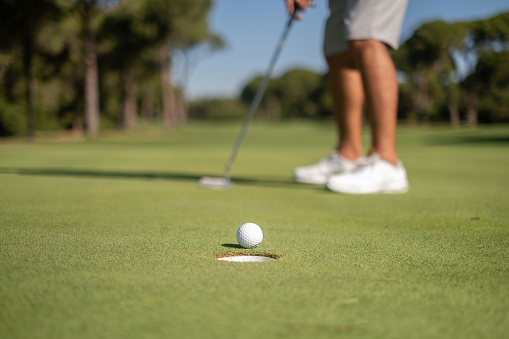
x,y
257,99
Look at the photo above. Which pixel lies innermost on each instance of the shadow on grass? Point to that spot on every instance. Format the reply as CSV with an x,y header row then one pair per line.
x,y
232,246
469,139
248,181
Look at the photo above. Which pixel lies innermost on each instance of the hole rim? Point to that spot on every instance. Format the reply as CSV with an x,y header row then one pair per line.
x,y
247,254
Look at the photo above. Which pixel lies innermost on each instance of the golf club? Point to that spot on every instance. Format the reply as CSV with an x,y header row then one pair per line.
x,y
225,181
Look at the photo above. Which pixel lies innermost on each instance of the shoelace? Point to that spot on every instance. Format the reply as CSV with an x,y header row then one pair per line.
x,y
333,158
363,163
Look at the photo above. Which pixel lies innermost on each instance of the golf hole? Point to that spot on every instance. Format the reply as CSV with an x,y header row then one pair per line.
x,y
242,257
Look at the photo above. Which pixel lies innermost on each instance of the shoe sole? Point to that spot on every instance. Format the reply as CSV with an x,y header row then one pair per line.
x,y
393,188
310,181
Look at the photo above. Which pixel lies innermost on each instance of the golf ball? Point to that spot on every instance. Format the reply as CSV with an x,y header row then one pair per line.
x,y
249,235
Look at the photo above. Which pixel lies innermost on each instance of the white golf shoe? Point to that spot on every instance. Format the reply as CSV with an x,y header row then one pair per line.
x,y
320,173
376,176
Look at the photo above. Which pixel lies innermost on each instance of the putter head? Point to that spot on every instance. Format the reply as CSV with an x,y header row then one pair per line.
x,y
216,183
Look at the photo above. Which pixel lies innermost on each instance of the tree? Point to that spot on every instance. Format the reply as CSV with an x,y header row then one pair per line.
x,y
181,24
129,38
270,107
20,23
88,8
297,93
492,78
491,34
430,57
487,36
141,33
426,58
61,70
296,89
217,109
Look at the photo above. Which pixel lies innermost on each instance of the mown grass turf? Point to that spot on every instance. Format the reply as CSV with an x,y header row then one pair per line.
x,y
114,238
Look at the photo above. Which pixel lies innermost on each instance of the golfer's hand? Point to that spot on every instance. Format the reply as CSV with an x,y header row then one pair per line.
x,y
299,5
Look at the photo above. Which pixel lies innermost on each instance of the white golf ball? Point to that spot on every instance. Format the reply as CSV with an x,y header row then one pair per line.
x,y
249,235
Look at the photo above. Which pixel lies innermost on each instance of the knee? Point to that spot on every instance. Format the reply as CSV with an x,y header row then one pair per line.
x,y
362,46
341,60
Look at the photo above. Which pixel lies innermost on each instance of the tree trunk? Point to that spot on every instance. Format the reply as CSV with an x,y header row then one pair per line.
x,y
30,85
472,116
471,103
129,106
91,74
420,97
147,102
454,113
180,107
167,87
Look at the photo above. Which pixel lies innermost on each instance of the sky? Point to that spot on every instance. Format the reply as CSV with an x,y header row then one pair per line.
x,y
251,30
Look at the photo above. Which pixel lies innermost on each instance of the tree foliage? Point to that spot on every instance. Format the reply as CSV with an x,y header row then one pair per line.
x,y
492,76
455,72
55,43
20,23
430,59
297,93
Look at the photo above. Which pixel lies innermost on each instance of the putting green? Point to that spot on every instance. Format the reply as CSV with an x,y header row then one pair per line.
x,y
115,238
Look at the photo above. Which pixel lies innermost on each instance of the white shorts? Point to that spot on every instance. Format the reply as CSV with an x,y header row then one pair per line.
x,y
361,20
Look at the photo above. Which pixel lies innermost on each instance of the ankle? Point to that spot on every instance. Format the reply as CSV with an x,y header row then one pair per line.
x,y
388,155
390,158
350,155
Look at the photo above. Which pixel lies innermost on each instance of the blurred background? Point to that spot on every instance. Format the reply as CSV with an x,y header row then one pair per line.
x,y
83,66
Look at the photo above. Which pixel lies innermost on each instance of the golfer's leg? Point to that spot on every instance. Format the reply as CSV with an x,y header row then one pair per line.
x,y
348,98
381,90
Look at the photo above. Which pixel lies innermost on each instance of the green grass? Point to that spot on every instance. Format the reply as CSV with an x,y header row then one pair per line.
x,y
114,238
